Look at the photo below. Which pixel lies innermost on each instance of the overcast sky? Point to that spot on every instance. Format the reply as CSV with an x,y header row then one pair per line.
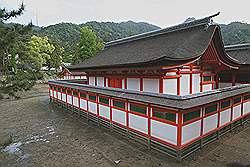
x,y
159,12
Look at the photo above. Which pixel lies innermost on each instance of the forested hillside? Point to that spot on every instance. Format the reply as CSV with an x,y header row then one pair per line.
x,y
235,33
68,34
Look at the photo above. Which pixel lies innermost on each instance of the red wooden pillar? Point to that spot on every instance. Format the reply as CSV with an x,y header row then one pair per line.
x,y
95,81
111,104
161,85
191,80
104,80
141,84
127,115
149,120
125,83
179,129
178,82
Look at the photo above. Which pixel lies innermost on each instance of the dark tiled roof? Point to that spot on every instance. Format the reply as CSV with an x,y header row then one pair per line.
x,y
168,47
240,52
174,101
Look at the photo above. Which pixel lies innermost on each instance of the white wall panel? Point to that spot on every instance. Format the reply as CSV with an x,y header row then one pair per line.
x,y
92,107
191,131
123,83
91,80
63,97
207,87
246,108
59,94
210,123
196,79
225,116
77,77
104,111
69,99
51,93
75,102
119,116
100,81
185,84
151,85
55,94
236,112
133,84
170,86
138,123
83,104
164,131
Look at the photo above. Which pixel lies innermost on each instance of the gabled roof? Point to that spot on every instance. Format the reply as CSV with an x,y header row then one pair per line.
x,y
239,52
171,46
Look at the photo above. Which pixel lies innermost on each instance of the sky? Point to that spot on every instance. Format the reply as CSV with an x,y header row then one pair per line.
x,y
162,13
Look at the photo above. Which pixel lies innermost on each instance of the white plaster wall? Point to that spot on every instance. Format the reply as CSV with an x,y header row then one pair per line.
x,y
69,99
196,80
185,84
207,87
100,81
91,80
210,123
170,86
51,93
133,84
75,102
138,123
236,112
55,94
104,111
92,107
164,131
83,104
123,83
59,95
191,131
246,108
63,97
119,116
224,84
151,85
77,77
225,116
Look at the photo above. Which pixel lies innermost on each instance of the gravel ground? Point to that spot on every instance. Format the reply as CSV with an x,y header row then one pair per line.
x,y
44,135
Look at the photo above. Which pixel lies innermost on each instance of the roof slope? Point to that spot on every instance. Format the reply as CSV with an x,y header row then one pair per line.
x,y
170,46
240,52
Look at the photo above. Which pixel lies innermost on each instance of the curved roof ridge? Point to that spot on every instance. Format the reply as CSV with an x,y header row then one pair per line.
x,y
203,21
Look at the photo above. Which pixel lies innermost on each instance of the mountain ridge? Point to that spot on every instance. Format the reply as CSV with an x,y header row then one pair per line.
x,y
68,34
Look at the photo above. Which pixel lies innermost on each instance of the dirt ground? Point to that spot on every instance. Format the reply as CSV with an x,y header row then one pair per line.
x,y
45,135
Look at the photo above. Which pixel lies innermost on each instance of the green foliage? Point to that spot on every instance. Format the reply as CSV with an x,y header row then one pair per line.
x,y
90,44
48,53
68,35
236,33
41,49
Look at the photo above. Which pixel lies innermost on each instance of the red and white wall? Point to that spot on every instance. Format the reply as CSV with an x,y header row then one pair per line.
x,y
185,81
169,126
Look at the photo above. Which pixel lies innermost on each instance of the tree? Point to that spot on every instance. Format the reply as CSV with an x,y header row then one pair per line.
x,y
18,65
90,44
56,56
